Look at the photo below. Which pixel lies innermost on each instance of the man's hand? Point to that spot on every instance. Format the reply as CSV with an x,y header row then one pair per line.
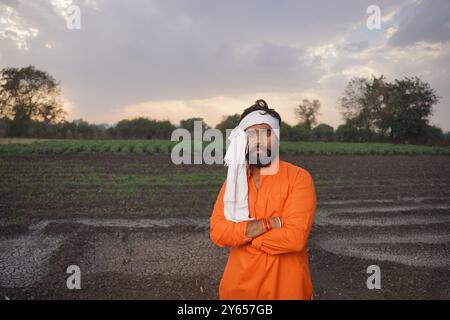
x,y
256,228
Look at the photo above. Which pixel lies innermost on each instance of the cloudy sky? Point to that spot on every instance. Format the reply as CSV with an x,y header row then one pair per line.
x,y
174,59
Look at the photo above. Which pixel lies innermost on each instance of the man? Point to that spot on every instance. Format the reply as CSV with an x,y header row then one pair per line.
x,y
264,218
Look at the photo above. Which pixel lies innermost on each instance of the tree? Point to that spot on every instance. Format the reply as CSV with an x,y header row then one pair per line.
x,y
228,122
301,132
323,132
28,94
406,109
188,124
142,128
361,103
286,132
2,128
349,132
397,111
307,112
446,140
432,135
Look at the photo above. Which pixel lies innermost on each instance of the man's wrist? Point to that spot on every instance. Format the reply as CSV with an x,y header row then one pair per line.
x,y
256,228
276,222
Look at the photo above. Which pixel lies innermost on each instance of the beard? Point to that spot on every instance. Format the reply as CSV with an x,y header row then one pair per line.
x,y
262,160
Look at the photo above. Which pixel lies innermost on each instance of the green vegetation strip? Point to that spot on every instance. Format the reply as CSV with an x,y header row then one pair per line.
x,y
165,146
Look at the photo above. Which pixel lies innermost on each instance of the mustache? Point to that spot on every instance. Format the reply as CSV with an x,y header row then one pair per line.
x,y
259,160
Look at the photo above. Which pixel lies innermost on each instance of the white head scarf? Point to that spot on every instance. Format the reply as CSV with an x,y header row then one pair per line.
x,y
236,192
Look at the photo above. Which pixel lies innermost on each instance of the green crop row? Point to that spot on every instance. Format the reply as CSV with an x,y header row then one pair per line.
x,y
165,146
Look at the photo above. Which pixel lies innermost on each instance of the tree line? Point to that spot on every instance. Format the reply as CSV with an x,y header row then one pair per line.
x,y
374,110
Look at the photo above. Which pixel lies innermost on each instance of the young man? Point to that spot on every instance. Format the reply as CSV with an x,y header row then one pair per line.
x,y
265,218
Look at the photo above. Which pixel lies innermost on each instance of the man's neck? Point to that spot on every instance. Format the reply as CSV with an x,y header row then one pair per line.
x,y
255,171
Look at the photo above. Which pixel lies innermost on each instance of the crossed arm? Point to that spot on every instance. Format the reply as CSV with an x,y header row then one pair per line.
x,y
256,228
297,219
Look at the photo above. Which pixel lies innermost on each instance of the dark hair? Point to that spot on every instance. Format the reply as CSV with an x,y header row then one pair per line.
x,y
260,105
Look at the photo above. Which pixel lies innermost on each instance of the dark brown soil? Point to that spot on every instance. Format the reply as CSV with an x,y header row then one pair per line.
x,y
390,211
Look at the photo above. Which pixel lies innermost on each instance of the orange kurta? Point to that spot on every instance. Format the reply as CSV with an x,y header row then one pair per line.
x,y
273,265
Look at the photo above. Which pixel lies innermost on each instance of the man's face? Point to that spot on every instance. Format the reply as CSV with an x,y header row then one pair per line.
x,y
259,138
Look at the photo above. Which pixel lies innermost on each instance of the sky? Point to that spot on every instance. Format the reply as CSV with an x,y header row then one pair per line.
x,y
176,59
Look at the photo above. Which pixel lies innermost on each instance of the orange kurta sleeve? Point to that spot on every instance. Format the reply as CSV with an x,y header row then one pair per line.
x,y
226,233
298,214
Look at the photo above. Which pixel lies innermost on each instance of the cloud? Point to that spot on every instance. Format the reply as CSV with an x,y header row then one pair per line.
x,y
214,108
180,58
356,46
14,28
429,21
